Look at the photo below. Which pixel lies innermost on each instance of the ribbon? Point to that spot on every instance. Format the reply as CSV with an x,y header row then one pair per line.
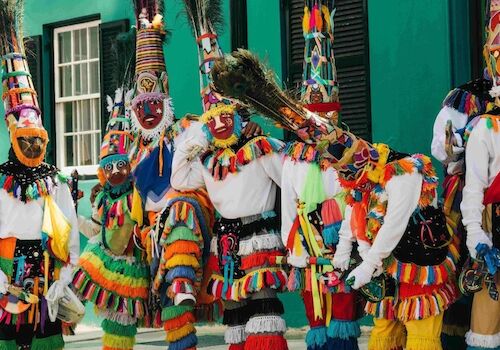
x,y
491,257
228,273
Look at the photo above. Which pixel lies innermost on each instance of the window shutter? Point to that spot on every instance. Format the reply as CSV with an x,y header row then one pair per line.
x,y
351,55
33,50
108,33
239,24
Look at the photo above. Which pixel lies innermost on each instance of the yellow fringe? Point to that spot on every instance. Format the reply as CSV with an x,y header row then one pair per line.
x,y
218,110
386,343
118,342
416,343
179,333
182,260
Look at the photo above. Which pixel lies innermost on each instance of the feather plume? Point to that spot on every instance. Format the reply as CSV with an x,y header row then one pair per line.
x,y
11,26
242,76
124,53
153,7
205,16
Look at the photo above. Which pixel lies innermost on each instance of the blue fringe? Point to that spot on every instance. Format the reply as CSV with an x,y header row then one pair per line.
x,y
343,344
343,329
185,343
316,338
331,234
181,272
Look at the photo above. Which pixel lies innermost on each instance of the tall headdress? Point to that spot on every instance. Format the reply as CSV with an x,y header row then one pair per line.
x,y
116,142
152,109
319,90
205,18
492,47
28,137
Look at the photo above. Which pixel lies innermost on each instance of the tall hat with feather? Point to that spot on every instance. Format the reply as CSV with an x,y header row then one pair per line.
x,y
151,104
205,18
28,137
319,90
491,50
116,141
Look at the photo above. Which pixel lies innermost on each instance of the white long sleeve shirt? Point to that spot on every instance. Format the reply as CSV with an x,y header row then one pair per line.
x,y
250,191
403,194
292,187
24,220
482,164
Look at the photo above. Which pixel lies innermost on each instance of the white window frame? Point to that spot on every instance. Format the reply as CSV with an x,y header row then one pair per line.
x,y
60,122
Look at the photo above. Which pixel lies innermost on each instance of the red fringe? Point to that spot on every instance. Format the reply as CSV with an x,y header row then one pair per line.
x,y
180,321
259,259
267,342
240,346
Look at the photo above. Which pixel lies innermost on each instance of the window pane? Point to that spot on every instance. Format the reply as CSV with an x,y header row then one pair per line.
x,y
94,42
65,81
76,45
94,77
85,117
80,44
85,149
70,154
64,47
97,114
84,77
69,120
81,79
78,81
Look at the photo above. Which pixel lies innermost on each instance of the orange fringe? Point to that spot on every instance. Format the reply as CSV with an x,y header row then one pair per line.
x,y
97,278
182,247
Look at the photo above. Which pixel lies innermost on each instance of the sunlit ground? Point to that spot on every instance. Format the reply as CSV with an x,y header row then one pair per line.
x,y
209,337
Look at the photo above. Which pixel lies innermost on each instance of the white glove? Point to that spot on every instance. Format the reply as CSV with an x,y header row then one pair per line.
x,y
66,274
297,261
363,249
474,237
342,258
455,168
361,274
56,291
193,146
4,282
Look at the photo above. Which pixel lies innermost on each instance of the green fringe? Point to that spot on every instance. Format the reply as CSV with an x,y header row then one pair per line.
x,y
7,266
181,233
136,270
172,312
8,345
112,327
54,342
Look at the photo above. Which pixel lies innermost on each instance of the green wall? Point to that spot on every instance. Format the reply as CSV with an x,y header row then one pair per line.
x,y
410,70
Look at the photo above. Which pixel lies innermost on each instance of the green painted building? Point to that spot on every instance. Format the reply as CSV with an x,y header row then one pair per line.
x,y
396,61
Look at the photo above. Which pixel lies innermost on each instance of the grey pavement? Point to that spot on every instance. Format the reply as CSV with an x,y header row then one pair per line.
x,y
209,338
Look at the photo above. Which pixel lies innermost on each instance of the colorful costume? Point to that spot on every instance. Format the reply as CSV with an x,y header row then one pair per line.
x,y
403,235
112,274
312,201
39,239
240,176
459,114
176,231
480,207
